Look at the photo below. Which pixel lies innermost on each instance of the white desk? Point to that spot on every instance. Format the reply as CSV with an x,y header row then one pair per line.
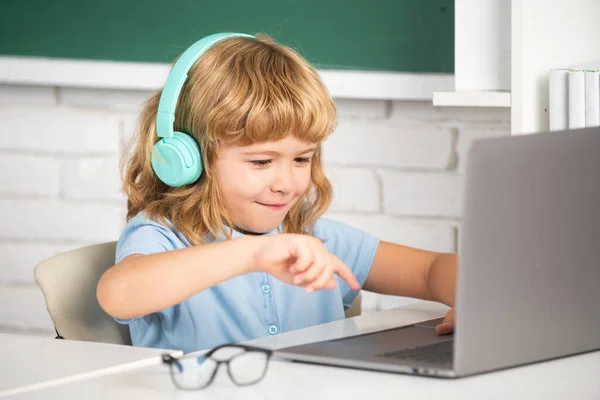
x,y
28,363
567,378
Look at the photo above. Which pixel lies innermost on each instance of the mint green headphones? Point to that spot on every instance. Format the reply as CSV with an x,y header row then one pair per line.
x,y
176,158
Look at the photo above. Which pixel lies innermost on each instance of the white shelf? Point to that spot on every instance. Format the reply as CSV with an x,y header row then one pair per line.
x,y
505,49
472,99
151,76
547,34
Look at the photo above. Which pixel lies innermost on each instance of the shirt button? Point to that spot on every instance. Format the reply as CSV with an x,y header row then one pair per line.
x,y
273,329
265,288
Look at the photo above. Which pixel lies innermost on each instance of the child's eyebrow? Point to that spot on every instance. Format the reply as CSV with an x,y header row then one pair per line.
x,y
273,153
255,152
309,150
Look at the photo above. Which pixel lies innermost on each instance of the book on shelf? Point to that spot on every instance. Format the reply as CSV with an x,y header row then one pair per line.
x,y
574,97
592,98
558,100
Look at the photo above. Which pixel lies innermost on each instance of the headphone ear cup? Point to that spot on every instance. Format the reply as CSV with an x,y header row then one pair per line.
x,y
177,161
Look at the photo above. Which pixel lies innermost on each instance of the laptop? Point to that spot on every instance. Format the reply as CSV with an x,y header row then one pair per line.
x,y
529,271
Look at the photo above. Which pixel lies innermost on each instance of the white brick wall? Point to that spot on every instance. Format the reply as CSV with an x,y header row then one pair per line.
x,y
24,174
59,219
396,167
406,194
93,178
103,99
20,257
27,95
23,310
383,143
57,130
355,189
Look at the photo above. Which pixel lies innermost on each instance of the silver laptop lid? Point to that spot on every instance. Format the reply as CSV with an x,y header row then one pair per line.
x,y
529,280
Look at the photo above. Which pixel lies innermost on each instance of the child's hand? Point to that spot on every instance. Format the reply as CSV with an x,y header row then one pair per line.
x,y
301,260
447,325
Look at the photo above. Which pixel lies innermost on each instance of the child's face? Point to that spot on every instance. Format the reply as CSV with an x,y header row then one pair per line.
x,y
260,183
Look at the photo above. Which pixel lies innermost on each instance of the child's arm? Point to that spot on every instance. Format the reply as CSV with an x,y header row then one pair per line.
x,y
406,271
143,284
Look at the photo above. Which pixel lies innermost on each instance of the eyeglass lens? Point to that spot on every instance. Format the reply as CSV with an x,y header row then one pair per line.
x,y
244,367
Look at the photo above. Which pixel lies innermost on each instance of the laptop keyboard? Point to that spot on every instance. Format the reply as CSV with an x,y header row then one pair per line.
x,y
440,352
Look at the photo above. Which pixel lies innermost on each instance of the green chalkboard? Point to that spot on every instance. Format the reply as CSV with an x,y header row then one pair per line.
x,y
385,35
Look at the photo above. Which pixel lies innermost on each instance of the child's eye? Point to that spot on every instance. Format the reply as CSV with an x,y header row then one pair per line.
x,y
261,163
302,160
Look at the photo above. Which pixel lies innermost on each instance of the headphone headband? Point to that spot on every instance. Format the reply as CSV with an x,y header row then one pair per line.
x,y
170,93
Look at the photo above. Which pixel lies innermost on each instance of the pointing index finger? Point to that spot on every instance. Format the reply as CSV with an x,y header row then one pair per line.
x,y
345,273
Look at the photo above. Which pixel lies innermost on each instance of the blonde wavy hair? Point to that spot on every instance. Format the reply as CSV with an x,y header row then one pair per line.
x,y
241,91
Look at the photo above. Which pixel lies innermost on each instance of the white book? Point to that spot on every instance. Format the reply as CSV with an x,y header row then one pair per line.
x,y
576,98
558,110
592,98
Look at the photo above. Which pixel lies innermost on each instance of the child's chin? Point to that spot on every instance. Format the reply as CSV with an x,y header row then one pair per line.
x,y
265,226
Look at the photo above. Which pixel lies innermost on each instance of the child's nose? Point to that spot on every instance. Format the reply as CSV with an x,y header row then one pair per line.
x,y
284,180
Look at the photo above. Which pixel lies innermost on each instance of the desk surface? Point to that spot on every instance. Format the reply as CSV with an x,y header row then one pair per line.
x,y
30,362
571,377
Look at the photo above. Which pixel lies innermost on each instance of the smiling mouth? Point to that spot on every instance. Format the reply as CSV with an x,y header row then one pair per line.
x,y
272,206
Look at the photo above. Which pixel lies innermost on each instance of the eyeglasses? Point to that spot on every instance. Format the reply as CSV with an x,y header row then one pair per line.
x,y
246,365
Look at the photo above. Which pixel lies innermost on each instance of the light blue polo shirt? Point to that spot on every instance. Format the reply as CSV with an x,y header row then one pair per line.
x,y
248,306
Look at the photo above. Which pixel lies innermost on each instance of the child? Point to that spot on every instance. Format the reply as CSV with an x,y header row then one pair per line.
x,y
225,241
